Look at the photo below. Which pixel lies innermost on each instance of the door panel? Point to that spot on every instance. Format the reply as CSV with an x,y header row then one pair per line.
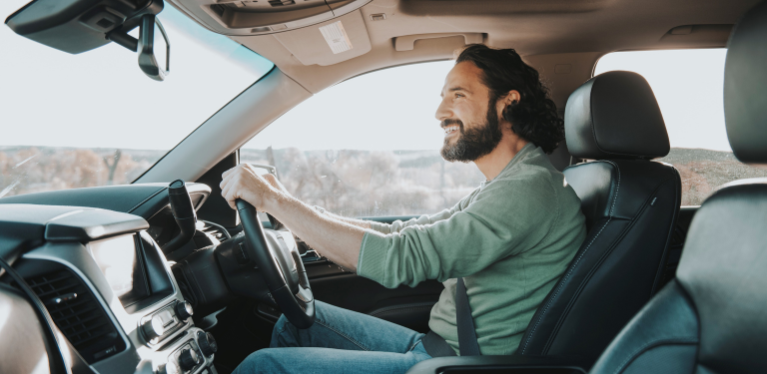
x,y
406,306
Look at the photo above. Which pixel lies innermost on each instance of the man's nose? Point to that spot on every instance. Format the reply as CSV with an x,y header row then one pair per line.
x,y
443,111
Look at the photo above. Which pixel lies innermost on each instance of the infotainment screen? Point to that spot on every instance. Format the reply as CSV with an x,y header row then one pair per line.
x,y
122,264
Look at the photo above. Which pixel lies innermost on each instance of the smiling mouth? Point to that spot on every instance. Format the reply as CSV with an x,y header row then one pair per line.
x,y
451,129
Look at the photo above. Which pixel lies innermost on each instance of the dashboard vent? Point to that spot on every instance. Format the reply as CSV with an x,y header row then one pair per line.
x,y
77,314
215,231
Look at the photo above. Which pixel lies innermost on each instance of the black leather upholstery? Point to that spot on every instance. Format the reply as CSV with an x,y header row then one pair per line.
x,y
662,338
745,77
713,317
615,115
631,206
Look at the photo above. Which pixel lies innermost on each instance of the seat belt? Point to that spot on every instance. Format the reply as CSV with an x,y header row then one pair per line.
x,y
467,334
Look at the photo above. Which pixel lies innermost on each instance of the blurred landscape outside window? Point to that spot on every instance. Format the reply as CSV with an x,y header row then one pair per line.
x,y
368,146
689,86
95,119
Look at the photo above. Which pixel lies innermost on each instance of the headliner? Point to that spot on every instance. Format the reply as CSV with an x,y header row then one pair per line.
x,y
547,33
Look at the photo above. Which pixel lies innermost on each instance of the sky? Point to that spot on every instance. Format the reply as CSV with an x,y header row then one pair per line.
x,y
101,98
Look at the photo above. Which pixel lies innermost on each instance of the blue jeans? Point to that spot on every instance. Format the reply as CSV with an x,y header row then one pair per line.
x,y
340,341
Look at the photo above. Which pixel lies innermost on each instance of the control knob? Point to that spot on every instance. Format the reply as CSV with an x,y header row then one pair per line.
x,y
184,310
153,327
188,359
207,343
168,368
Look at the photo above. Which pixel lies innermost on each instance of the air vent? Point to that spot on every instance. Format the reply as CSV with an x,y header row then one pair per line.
x,y
217,232
281,2
78,315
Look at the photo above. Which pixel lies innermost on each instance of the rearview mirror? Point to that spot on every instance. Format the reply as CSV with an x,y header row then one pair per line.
x,y
153,48
76,26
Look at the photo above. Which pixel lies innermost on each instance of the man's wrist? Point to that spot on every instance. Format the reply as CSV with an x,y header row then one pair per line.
x,y
274,202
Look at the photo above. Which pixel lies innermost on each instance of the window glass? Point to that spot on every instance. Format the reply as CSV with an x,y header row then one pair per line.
x,y
688,85
94,118
368,146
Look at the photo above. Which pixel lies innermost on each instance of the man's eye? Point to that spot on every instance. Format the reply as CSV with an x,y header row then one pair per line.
x,y
459,95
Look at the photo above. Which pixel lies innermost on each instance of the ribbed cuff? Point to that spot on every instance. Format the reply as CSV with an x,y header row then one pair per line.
x,y
380,227
371,263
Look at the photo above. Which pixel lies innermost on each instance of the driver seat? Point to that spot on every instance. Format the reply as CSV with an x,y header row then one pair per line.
x,y
712,317
631,205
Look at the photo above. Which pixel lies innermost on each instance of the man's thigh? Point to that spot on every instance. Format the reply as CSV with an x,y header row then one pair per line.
x,y
340,328
328,360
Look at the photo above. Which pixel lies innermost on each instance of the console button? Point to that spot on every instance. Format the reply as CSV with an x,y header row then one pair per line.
x,y
184,310
207,343
188,359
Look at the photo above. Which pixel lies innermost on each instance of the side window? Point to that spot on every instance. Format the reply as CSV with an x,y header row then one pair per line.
x,y
688,85
368,146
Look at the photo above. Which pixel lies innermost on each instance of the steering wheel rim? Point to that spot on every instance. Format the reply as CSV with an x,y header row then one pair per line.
x,y
284,273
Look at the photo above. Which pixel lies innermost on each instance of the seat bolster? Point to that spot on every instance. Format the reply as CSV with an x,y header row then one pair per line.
x,y
666,327
618,188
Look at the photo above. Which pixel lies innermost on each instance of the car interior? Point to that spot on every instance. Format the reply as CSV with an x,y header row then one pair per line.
x,y
197,286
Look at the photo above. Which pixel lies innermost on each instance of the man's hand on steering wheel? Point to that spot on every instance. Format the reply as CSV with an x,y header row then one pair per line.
x,y
281,267
243,182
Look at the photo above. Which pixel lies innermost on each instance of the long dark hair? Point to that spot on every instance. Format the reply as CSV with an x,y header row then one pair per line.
x,y
534,117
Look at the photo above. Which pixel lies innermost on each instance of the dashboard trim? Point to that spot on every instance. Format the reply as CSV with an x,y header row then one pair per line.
x,y
72,257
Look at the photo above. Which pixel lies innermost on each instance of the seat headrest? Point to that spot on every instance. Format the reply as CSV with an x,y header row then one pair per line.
x,y
723,270
615,115
745,87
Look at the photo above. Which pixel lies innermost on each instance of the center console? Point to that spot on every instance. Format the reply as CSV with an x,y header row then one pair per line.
x,y
111,293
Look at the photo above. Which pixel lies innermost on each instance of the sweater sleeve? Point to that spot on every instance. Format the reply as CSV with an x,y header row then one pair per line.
x,y
398,225
506,218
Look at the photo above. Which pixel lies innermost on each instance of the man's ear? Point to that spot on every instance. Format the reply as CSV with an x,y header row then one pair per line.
x,y
512,97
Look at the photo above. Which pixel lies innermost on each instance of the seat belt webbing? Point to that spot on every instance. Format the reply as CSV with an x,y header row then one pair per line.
x,y
467,335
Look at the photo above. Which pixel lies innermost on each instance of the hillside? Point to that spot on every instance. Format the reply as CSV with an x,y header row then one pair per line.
x,y
349,182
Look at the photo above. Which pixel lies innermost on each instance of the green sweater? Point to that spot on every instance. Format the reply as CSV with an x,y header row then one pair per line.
x,y
511,240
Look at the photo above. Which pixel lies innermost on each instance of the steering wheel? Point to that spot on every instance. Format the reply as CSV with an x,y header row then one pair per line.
x,y
282,269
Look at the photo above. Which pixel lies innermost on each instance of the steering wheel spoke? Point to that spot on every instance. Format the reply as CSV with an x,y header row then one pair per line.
x,y
281,267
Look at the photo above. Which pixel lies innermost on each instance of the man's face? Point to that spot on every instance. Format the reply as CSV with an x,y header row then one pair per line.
x,y
466,114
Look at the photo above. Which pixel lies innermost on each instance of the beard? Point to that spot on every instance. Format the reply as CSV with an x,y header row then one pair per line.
x,y
475,142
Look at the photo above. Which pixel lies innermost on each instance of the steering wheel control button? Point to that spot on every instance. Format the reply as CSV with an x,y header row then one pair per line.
x,y
207,343
239,255
188,359
184,310
153,328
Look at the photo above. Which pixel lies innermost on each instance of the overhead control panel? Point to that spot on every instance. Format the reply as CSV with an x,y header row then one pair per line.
x,y
262,17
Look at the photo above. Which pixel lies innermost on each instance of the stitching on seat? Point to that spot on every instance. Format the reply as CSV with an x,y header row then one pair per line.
x,y
569,272
566,276
344,335
618,187
675,339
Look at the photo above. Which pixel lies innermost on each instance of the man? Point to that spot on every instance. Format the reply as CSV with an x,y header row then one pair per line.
x,y
510,240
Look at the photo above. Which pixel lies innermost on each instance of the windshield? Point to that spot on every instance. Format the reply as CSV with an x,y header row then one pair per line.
x,y
95,119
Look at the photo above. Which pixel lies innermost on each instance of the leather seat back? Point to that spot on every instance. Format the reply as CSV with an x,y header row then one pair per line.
x,y
712,318
630,204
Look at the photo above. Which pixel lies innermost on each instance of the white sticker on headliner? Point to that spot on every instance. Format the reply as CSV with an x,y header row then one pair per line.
x,y
336,37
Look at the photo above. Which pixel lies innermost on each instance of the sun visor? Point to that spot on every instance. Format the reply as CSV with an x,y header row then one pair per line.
x,y
330,42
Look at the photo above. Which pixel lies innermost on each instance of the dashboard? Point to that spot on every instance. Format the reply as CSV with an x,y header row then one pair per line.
x,y
97,265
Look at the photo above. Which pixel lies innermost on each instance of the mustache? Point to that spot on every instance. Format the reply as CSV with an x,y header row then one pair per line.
x,y
449,122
